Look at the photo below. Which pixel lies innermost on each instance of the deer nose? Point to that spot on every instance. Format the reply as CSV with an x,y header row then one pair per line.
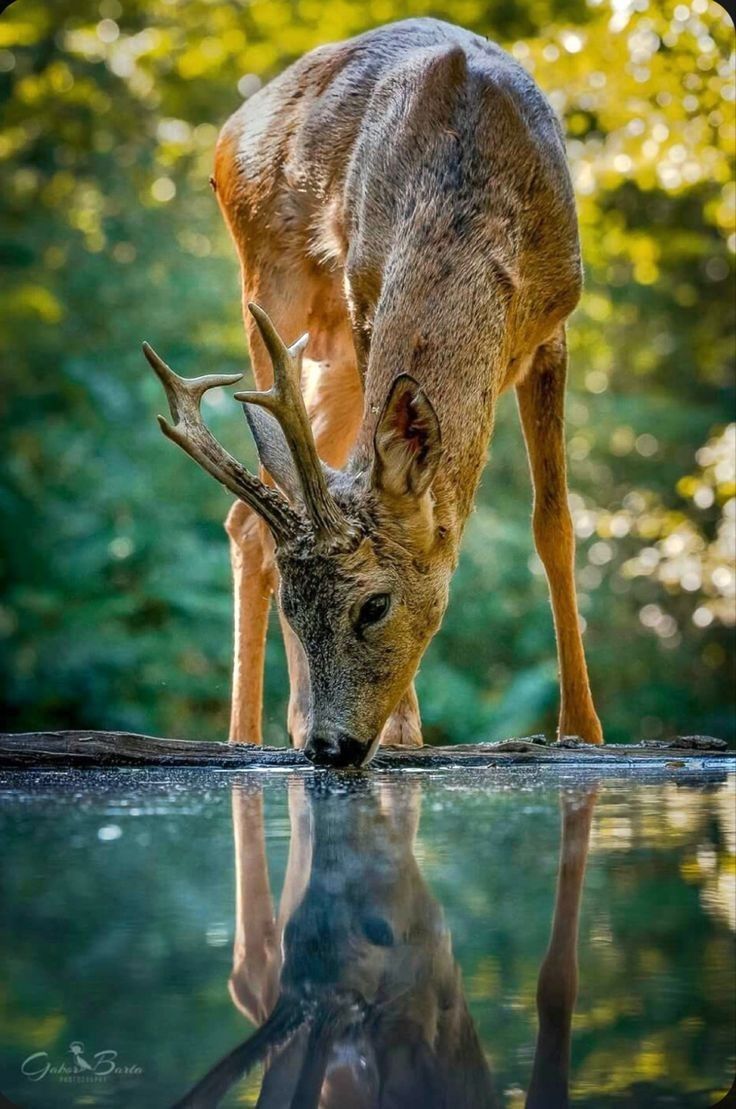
x,y
336,749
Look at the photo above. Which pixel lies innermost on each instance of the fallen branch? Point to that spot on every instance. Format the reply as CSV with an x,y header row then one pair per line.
x,y
94,750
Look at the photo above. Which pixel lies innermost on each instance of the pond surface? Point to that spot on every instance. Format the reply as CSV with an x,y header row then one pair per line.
x,y
398,940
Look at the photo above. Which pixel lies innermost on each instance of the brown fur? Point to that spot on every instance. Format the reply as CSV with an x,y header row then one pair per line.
x,y
404,197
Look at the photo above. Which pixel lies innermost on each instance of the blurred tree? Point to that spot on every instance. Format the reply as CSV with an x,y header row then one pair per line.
x,y
116,609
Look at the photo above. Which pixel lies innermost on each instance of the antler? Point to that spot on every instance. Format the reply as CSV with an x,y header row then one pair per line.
x,y
285,401
193,436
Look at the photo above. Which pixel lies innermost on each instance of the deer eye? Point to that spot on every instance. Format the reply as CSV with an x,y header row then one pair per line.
x,y
374,609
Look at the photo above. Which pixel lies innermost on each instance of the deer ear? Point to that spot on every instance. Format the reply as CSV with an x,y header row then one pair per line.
x,y
407,443
273,450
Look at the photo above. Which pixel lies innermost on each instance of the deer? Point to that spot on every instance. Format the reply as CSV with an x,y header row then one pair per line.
x,y
352,986
401,205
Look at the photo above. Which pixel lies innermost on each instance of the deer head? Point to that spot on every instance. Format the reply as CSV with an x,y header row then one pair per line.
x,y
363,555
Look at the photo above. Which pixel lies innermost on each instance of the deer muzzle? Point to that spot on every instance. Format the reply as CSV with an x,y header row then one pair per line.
x,y
333,748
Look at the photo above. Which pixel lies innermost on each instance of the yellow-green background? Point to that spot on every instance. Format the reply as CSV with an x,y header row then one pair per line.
x,y
115,607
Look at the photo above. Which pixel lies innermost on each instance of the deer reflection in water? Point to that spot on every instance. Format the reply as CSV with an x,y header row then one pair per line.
x,y
354,987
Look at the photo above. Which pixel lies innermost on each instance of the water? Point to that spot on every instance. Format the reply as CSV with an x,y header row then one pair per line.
x,y
145,936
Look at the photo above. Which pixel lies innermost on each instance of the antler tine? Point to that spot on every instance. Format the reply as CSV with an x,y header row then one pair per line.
x,y
191,433
285,401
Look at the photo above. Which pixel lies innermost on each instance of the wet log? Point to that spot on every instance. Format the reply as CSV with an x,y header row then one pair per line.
x,y
108,750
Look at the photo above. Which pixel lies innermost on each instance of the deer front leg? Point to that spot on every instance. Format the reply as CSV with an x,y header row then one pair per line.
x,y
251,555
541,405
297,720
404,726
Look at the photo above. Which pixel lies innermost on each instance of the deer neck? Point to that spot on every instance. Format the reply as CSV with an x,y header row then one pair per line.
x,y
452,338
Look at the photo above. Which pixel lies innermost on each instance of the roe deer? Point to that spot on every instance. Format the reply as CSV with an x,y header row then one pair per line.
x,y
354,987
404,198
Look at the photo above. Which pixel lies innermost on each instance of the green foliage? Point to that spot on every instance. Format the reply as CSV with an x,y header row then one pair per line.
x,y
114,566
